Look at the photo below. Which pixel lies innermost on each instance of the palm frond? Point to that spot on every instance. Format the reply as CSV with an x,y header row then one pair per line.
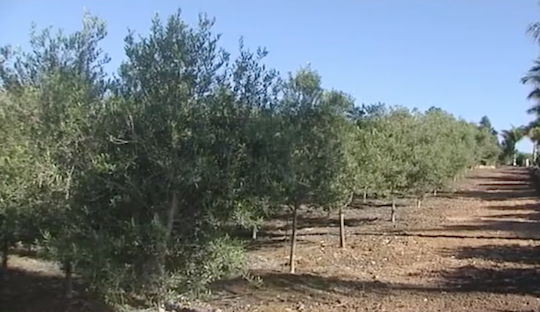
x,y
534,94
534,110
534,31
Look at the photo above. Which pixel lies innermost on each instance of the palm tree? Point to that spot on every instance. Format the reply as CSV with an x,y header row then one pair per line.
x,y
533,75
533,78
534,135
534,31
510,138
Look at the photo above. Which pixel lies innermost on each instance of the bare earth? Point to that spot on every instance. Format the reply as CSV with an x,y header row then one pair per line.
x,y
474,250
477,249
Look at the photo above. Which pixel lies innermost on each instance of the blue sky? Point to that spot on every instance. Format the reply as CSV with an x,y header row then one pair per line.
x,y
464,56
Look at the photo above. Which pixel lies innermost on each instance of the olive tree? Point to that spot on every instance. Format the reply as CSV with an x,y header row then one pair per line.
x,y
369,143
398,129
66,73
312,152
184,131
17,172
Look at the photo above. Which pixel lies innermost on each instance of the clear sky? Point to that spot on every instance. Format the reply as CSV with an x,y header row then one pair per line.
x,y
465,56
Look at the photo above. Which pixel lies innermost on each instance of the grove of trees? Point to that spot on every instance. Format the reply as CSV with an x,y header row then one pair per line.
x,y
135,181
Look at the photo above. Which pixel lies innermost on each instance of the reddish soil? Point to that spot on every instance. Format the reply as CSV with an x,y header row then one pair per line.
x,y
477,249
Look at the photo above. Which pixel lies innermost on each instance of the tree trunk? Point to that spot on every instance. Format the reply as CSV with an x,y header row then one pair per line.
x,y
341,228
159,266
68,281
254,233
156,267
419,202
5,252
287,227
434,192
172,213
534,154
292,264
364,200
342,221
393,215
169,227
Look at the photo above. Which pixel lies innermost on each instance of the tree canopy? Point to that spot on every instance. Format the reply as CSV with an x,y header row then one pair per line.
x,y
135,182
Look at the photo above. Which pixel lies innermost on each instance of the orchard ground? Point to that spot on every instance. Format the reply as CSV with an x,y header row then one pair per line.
x,y
477,249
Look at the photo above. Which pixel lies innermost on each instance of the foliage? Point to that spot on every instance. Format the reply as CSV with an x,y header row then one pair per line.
x,y
139,180
487,143
522,158
532,78
510,139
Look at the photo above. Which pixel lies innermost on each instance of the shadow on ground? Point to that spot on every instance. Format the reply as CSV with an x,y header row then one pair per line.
x,y
270,240
519,226
463,279
521,279
308,222
499,253
495,193
521,221
517,281
500,228
509,174
299,284
514,183
531,207
25,291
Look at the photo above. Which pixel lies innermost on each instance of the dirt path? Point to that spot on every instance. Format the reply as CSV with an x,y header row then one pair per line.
x,y
474,250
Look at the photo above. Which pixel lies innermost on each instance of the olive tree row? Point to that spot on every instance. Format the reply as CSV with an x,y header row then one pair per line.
x,y
404,153
135,182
